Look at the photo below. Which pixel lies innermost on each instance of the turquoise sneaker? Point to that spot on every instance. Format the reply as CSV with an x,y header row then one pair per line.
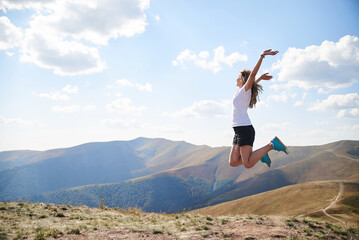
x,y
279,146
265,159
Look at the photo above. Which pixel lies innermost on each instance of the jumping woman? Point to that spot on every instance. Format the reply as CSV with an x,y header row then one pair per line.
x,y
246,97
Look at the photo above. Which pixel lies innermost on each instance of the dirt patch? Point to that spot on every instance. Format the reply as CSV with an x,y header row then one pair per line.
x,y
108,234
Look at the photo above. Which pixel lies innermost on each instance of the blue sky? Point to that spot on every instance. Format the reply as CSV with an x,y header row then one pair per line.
x,y
73,72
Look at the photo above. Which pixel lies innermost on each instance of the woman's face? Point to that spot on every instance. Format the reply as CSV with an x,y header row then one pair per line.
x,y
239,82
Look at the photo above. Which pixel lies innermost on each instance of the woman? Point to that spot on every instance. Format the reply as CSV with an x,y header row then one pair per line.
x,y
246,97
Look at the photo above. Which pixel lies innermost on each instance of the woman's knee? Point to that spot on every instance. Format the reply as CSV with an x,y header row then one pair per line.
x,y
247,164
233,163
234,156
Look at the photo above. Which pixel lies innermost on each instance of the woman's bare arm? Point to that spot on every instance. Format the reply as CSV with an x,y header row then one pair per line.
x,y
254,72
264,76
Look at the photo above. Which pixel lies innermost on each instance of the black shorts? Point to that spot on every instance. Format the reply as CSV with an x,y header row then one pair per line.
x,y
244,135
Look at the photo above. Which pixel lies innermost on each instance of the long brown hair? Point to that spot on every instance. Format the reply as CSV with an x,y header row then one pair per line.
x,y
256,88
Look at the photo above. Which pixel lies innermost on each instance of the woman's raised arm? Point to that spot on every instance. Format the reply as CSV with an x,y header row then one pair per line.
x,y
254,72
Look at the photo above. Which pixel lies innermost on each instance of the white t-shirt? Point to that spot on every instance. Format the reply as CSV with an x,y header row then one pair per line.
x,y
241,102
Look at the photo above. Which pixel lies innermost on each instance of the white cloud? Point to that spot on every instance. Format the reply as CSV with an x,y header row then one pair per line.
x,y
331,65
90,107
205,108
298,103
16,121
22,4
53,96
94,20
66,109
344,113
346,101
244,43
60,31
10,35
124,83
215,64
10,54
278,98
73,108
70,89
157,17
261,104
63,57
142,87
124,105
322,91
278,87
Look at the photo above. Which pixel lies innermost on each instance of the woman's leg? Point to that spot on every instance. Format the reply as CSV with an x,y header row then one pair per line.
x,y
250,158
235,156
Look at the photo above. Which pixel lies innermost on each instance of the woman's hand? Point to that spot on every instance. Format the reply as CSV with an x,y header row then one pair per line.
x,y
269,52
266,77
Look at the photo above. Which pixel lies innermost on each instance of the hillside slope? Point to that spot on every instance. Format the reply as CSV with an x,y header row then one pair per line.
x,y
305,199
334,161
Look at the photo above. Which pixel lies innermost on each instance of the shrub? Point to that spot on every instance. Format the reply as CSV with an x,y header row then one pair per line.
x,y
39,236
308,232
224,221
54,233
289,223
59,215
204,227
3,235
102,204
74,231
155,231
76,216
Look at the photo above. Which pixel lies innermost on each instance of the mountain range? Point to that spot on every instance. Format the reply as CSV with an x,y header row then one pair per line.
x,y
159,175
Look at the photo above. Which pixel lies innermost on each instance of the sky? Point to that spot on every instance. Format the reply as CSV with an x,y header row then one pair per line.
x,y
78,71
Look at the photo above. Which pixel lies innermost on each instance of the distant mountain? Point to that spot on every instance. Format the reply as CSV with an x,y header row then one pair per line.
x,y
11,159
162,175
34,172
27,173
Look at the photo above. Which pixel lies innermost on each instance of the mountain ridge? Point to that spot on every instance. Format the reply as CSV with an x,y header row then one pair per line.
x,y
198,175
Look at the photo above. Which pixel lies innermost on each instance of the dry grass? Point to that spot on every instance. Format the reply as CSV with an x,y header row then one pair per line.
x,y
287,201
300,199
40,221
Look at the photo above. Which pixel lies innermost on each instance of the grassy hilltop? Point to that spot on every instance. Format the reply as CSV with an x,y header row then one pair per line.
x,y
48,221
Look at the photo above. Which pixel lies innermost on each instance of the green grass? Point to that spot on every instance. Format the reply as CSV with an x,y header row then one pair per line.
x,y
289,223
